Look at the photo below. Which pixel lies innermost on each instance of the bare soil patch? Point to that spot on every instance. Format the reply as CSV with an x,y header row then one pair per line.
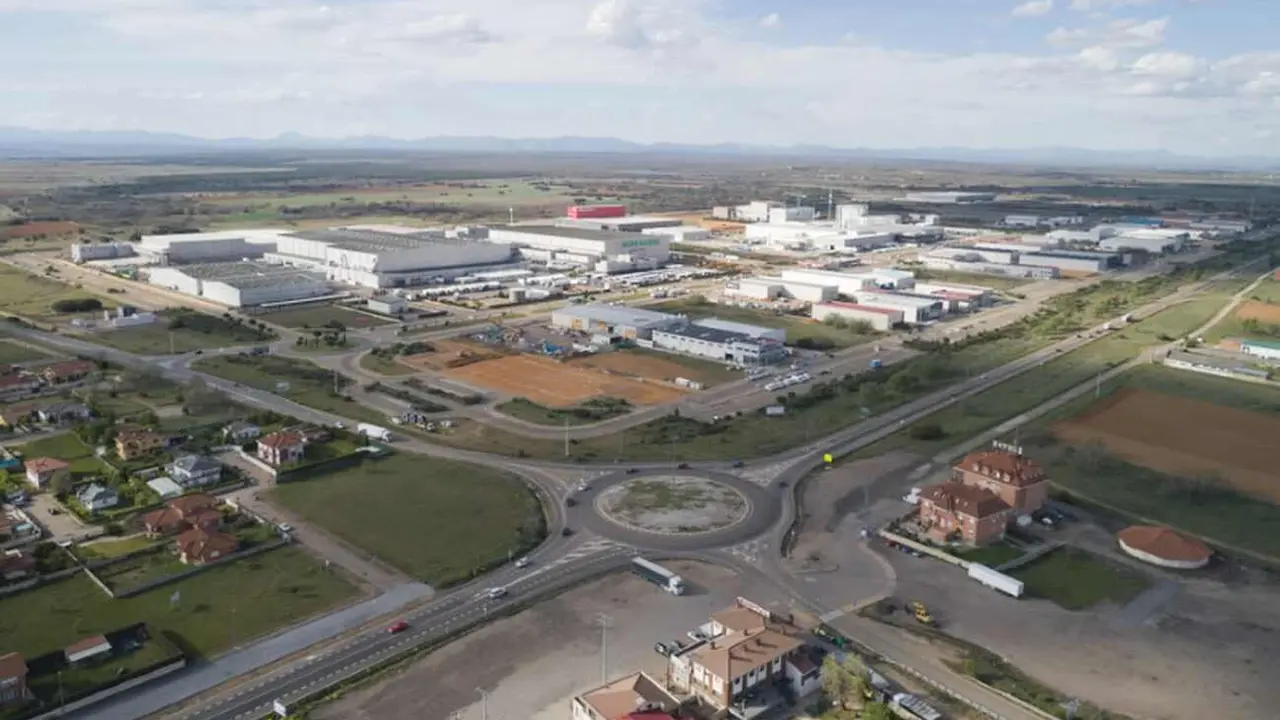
x,y
1186,437
1260,311
32,229
645,366
556,384
450,354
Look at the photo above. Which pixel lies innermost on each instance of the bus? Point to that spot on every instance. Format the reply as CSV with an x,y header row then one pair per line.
x,y
658,575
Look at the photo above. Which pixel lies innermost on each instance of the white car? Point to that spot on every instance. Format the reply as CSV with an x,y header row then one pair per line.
x,y
522,562
495,593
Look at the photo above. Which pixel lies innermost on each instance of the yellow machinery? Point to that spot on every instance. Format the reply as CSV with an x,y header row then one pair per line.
x,y
922,614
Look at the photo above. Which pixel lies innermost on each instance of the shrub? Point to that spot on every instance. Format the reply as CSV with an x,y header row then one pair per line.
x,y
928,431
71,305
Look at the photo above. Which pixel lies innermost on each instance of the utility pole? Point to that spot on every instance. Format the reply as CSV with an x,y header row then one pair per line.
x,y
605,622
484,703
566,437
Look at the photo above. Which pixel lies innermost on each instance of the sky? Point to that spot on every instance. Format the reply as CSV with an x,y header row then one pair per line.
x,y
1195,77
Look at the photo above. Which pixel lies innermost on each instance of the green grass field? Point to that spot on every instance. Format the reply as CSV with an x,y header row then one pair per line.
x,y
1039,385
384,366
159,338
68,448
797,328
114,548
1077,580
32,296
992,555
437,520
317,316
217,609
309,384
12,353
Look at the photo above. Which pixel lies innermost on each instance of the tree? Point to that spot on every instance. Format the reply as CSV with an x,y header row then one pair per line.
x,y
835,682
877,711
61,483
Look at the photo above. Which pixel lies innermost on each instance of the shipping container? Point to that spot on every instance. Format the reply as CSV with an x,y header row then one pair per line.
x,y
583,212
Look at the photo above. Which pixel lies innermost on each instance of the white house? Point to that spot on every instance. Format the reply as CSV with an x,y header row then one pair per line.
x,y
96,498
192,471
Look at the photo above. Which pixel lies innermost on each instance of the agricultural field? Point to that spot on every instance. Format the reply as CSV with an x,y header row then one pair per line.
x,y
660,366
308,383
33,296
320,316
1208,505
13,353
949,426
218,609
555,384
182,331
441,521
801,332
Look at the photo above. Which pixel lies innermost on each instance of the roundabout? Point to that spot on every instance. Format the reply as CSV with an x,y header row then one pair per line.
x,y
668,510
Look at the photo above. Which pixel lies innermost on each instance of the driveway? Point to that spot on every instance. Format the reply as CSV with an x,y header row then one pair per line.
x,y
64,525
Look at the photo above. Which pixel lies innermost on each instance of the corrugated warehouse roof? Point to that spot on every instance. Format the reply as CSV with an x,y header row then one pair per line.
x,y
617,315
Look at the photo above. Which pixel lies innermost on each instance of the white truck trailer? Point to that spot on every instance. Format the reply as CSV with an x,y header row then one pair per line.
x,y
658,575
374,432
995,580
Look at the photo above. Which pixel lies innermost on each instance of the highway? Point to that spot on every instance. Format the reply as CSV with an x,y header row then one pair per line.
x,y
557,565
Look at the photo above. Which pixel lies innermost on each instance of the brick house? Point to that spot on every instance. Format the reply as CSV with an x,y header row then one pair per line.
x,y
43,471
201,545
13,679
132,443
1014,478
974,515
281,448
198,510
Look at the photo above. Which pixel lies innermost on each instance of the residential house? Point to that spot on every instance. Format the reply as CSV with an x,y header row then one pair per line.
x,y
201,545
18,414
64,413
281,448
133,443
88,650
15,565
13,679
66,373
15,386
165,487
43,471
635,696
184,513
194,471
952,511
1015,478
241,431
749,655
96,498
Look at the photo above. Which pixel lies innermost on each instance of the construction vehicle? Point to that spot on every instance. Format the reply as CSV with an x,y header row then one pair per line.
x,y
922,615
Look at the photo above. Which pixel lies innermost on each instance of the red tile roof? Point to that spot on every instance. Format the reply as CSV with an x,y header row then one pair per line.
x,y
1164,543
282,439
1003,466
964,499
71,367
88,643
8,381
45,464
12,665
196,510
202,545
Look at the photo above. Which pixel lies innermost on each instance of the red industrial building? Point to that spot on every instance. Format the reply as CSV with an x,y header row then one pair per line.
x,y
596,212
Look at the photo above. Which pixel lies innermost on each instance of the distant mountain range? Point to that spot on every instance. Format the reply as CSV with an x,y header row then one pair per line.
x,y
27,143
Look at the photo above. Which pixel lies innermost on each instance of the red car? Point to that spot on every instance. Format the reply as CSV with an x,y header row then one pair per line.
x,y
398,626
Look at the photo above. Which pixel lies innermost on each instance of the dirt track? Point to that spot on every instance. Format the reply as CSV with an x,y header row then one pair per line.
x,y
556,384
1184,437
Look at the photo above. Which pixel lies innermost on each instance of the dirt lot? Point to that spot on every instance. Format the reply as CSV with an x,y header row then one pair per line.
x,y
1260,311
1183,437
450,353
38,228
654,368
534,662
554,384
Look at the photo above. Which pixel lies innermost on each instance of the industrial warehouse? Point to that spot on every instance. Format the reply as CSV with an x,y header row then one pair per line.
x,y
242,284
606,251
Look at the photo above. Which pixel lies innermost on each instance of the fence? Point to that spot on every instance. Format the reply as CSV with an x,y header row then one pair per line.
x,y
195,570
921,547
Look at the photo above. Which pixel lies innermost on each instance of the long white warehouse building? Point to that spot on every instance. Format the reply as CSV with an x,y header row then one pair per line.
x,y
914,309
241,284
879,318
586,246
208,246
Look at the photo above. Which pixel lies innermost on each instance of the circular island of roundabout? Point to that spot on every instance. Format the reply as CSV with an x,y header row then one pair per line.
x,y
674,510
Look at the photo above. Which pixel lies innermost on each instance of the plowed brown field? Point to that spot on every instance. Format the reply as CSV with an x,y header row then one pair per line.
x,y
1260,311
1185,437
555,384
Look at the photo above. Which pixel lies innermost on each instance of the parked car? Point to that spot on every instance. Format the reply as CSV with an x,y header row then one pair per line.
x,y
495,593
683,466
397,627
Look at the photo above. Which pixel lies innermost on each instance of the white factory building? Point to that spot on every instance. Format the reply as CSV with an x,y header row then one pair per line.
x,y
879,318
914,309
792,214
379,259
851,282
86,252
754,211
712,343
978,266
626,223
681,233
1153,240
241,284
751,331
208,247
605,250
614,320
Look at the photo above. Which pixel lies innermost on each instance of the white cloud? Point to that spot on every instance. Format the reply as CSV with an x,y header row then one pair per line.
x,y
609,67
1104,5
770,20
1033,8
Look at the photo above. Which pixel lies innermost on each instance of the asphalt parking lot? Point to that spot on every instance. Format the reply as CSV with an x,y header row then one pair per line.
x,y
532,664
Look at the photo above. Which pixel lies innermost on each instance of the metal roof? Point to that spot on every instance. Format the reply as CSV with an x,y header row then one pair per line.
x,y
574,232
618,315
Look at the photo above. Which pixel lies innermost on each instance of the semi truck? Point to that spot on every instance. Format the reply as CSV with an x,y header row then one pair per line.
x,y
1010,586
374,432
658,575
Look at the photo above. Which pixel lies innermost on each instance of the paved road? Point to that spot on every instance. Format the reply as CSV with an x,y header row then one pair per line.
x,y
455,607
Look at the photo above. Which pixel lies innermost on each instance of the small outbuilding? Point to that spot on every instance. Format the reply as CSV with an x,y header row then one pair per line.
x,y
1164,547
